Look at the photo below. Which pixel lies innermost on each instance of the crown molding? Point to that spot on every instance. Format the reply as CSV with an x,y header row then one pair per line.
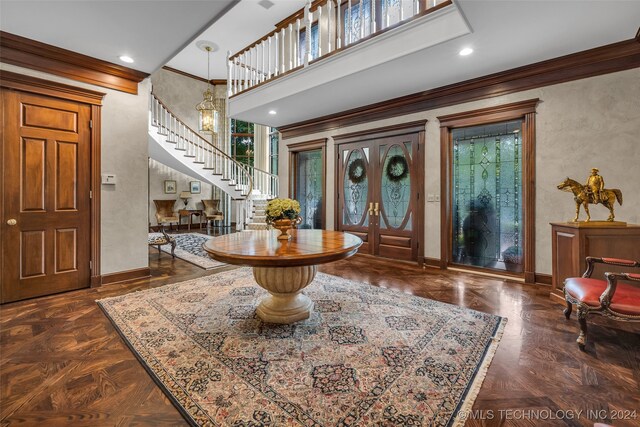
x,y
214,82
31,84
611,58
28,53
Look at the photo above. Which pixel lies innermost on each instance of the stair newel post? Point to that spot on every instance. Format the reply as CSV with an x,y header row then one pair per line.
x,y
308,22
338,26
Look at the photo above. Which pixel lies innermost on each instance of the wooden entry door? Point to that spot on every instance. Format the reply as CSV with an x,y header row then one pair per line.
x,y
379,194
46,203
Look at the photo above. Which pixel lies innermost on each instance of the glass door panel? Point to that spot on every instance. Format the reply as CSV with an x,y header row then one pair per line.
x,y
395,188
308,188
487,221
356,187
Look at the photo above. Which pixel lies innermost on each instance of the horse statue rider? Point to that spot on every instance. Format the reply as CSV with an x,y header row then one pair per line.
x,y
595,185
592,193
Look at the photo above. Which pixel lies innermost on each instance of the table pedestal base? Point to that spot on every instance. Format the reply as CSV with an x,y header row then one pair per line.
x,y
285,304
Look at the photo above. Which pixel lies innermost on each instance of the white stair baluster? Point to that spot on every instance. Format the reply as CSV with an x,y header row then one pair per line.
x,y
319,31
349,24
361,12
338,27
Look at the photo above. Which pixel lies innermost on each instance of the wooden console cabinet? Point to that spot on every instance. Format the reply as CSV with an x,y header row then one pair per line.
x,y
573,242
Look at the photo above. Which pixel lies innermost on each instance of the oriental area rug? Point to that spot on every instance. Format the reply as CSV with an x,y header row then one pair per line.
x,y
367,356
189,248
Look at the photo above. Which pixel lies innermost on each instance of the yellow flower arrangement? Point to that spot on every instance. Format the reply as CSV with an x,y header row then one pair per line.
x,y
282,209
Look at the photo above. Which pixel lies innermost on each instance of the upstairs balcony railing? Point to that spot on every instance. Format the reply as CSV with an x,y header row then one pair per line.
x,y
335,26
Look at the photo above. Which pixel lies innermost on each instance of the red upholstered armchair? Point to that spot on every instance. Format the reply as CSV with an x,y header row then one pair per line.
x,y
616,300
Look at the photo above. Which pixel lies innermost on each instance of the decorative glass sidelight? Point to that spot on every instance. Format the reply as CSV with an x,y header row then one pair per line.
x,y
487,196
395,187
309,182
356,21
302,43
356,187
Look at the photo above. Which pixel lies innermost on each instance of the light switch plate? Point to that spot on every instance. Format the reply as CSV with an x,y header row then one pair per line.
x,y
108,179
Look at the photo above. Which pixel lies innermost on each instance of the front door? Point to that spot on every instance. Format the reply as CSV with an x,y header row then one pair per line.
x,y
379,195
46,202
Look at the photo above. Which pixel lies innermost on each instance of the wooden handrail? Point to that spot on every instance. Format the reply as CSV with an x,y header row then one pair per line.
x,y
260,75
299,14
212,148
193,131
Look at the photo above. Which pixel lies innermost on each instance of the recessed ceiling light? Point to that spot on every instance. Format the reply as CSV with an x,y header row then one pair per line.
x,y
273,112
266,4
127,59
466,51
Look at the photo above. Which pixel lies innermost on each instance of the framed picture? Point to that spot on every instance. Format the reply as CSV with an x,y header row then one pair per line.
x,y
195,187
170,187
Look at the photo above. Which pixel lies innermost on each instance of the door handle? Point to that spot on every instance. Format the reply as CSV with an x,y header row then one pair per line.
x,y
376,209
371,208
12,222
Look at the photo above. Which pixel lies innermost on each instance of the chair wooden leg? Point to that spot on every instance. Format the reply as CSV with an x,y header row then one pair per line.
x,y
567,311
582,320
173,248
159,251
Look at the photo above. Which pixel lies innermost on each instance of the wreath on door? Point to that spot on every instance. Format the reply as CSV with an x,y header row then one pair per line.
x,y
397,168
357,171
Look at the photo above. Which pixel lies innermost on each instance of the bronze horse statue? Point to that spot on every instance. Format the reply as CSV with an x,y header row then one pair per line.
x,y
583,196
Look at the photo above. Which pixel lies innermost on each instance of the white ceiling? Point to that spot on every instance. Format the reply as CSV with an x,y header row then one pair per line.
x,y
505,35
245,23
149,31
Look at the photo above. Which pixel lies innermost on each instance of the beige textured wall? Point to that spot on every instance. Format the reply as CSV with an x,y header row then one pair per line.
x,y
158,173
592,122
124,153
180,93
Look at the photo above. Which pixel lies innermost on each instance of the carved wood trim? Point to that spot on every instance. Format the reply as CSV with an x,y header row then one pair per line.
x,y
28,53
96,168
31,84
524,111
593,62
214,82
382,132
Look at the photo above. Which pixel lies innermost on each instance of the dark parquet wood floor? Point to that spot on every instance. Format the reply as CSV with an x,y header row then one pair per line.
x,y
62,362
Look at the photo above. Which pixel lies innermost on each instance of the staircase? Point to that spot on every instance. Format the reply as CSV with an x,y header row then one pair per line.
x,y
178,146
259,219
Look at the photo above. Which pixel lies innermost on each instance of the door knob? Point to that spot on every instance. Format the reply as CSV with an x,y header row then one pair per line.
x,y
371,208
376,209
12,222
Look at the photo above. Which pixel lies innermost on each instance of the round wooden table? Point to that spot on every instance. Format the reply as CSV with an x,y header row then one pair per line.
x,y
283,267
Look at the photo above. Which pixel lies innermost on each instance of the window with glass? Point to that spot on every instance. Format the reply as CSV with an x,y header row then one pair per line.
x,y
487,203
274,142
308,181
303,43
242,142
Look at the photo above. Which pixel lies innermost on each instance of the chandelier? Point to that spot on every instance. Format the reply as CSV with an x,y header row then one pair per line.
x,y
208,116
